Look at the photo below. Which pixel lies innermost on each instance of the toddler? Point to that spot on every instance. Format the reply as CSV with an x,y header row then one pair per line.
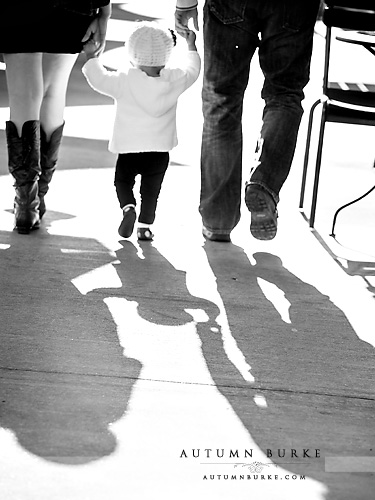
x,y
144,131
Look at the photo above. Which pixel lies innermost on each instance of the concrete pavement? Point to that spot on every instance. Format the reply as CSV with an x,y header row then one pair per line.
x,y
183,368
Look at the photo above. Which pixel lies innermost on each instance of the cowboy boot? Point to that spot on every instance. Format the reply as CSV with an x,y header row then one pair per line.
x,y
49,151
24,165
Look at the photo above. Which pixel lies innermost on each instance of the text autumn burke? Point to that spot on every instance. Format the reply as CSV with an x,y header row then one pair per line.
x,y
248,453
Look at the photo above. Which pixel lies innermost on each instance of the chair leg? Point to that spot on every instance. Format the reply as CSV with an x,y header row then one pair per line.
x,y
307,153
317,166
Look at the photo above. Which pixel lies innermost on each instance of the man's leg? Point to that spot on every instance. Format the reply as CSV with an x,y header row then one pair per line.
x,y
284,55
229,46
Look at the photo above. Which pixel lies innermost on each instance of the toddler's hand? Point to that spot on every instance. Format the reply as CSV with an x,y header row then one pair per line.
x,y
190,38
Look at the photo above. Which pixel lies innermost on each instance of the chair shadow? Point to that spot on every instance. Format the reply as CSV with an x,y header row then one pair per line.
x,y
362,268
315,375
64,377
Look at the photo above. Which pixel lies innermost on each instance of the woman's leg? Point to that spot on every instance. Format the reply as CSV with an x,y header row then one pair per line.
x,y
37,85
56,69
25,87
25,90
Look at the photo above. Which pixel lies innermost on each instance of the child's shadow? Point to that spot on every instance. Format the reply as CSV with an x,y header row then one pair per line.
x,y
64,378
155,284
313,377
157,317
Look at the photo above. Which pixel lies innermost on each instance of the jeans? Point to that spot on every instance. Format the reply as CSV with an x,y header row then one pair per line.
x,y
283,31
152,167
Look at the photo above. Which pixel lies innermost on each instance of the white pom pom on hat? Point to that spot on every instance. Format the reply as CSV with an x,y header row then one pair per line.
x,y
149,45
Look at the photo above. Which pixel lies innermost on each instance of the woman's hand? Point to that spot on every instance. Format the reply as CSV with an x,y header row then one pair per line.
x,y
97,30
90,48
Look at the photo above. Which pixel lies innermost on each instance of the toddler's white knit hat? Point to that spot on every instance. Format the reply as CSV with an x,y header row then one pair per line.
x,y
150,45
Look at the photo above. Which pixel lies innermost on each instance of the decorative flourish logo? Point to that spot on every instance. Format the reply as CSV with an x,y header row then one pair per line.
x,y
254,466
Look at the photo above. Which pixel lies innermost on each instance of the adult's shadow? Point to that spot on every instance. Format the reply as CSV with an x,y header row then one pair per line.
x,y
314,375
63,376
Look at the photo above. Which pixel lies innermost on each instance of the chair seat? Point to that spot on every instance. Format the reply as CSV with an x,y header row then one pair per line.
x,y
352,93
339,113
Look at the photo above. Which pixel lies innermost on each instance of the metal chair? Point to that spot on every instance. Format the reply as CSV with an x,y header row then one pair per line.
x,y
352,103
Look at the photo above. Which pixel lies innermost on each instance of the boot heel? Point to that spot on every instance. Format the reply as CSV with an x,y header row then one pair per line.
x,y
23,229
25,225
26,208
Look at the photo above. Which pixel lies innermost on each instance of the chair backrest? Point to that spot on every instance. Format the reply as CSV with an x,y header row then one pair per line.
x,y
352,15
358,15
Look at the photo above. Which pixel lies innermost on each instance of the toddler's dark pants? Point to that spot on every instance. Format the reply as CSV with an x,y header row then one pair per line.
x,y
151,166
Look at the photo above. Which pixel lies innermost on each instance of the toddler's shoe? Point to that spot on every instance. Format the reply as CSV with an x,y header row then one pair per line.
x,y
127,225
209,235
144,234
263,212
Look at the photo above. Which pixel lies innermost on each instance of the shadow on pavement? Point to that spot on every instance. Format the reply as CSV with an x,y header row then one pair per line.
x,y
156,285
316,376
64,377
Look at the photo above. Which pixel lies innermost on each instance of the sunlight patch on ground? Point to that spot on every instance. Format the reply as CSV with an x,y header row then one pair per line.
x,y
260,401
89,122
276,297
101,277
150,8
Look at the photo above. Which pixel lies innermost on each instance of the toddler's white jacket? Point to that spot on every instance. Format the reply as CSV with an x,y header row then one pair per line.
x,y
145,118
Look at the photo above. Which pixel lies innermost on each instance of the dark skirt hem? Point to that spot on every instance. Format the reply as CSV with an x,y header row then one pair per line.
x,y
51,30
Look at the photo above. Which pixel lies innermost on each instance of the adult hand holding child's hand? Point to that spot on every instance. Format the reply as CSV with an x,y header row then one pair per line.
x,y
190,38
90,48
182,18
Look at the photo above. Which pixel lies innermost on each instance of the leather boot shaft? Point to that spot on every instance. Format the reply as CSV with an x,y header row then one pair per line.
x,y
23,152
49,152
24,165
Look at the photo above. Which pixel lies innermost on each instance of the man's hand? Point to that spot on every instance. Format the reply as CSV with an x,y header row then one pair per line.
x,y
182,18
